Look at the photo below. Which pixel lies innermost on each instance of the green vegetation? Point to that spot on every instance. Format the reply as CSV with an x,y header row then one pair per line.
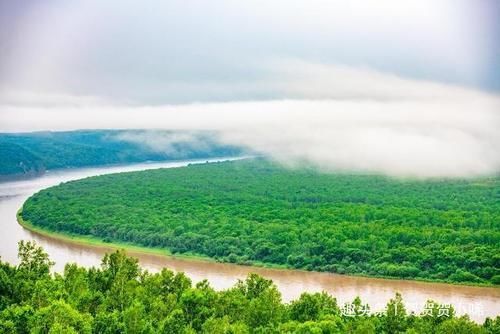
x,y
119,297
30,154
254,211
17,161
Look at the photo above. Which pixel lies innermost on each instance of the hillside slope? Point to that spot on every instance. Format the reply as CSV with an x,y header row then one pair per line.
x,y
18,162
30,154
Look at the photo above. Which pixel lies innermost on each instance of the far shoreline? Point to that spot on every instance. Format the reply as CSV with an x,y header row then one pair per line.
x,y
6,178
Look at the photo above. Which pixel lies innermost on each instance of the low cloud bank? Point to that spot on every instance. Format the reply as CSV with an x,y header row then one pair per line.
x,y
357,121
173,143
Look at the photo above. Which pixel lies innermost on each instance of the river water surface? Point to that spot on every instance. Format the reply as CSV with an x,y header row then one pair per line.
x,y
478,302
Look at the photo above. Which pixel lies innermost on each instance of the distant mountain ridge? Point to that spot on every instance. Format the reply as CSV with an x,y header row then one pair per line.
x,y
25,155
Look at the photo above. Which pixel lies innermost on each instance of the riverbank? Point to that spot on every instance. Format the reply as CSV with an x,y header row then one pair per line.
x,y
100,244
131,249
4,178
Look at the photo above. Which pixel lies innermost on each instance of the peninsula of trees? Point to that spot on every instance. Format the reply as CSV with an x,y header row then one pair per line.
x,y
256,212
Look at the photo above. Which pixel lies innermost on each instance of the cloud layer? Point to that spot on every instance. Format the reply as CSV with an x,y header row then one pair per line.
x,y
164,52
348,120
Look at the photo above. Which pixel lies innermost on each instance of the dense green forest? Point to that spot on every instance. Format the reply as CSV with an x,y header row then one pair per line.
x,y
18,161
254,211
119,297
30,154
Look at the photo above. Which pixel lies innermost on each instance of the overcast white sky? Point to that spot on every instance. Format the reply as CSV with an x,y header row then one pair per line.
x,y
398,87
184,51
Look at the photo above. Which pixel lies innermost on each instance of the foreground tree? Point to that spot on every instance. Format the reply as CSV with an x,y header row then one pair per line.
x,y
119,297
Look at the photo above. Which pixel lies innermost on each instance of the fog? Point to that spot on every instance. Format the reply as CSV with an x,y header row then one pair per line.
x,y
173,143
407,89
358,121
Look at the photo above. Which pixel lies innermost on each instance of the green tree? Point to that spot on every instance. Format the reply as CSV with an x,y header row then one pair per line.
x,y
60,317
492,325
223,326
108,322
175,323
395,320
461,325
313,307
15,318
198,304
135,319
33,259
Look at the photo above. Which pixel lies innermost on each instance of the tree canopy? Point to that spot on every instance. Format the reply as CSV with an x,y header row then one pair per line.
x,y
119,297
254,211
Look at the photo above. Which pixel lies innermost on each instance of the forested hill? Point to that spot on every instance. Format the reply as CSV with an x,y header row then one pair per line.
x,y
252,211
18,161
30,154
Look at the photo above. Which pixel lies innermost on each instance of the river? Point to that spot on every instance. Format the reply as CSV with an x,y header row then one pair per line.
x,y
478,302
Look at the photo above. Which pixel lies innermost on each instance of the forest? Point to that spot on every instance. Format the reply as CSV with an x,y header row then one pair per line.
x,y
254,211
30,154
119,297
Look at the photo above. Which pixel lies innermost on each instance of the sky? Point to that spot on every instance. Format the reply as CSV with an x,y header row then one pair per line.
x,y
395,87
